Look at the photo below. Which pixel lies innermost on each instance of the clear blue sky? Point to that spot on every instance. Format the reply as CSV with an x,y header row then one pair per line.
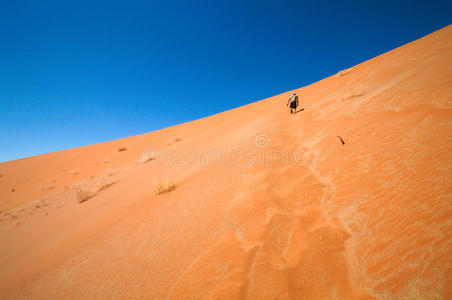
x,y
74,73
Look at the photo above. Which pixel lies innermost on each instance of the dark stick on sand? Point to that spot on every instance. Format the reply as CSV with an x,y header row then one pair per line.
x,y
342,141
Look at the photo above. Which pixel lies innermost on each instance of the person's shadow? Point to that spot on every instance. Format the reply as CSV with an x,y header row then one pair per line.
x,y
297,111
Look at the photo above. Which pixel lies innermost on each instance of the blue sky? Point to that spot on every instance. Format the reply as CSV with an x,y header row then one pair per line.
x,y
75,73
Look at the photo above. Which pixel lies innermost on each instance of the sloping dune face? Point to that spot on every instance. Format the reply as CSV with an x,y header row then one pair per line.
x,y
350,198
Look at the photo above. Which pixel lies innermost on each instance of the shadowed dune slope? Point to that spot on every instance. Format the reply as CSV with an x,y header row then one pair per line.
x,y
266,205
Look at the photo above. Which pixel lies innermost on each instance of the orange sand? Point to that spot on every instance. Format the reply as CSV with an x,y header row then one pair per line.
x,y
267,205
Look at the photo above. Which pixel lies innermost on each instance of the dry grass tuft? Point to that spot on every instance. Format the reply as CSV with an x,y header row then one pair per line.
x,y
175,140
90,188
147,156
103,183
46,187
38,203
82,193
120,149
163,186
356,92
109,172
343,72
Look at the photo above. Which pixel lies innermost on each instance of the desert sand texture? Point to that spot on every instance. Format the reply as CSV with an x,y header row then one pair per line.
x,y
252,203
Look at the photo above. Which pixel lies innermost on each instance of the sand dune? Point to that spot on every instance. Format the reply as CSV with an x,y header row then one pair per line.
x,y
266,205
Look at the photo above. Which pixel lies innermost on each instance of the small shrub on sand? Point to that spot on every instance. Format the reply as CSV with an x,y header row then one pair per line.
x,y
109,172
91,187
81,193
175,140
120,149
103,183
163,186
343,72
356,92
37,203
147,156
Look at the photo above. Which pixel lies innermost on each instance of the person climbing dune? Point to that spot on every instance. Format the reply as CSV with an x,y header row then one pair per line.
x,y
293,103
